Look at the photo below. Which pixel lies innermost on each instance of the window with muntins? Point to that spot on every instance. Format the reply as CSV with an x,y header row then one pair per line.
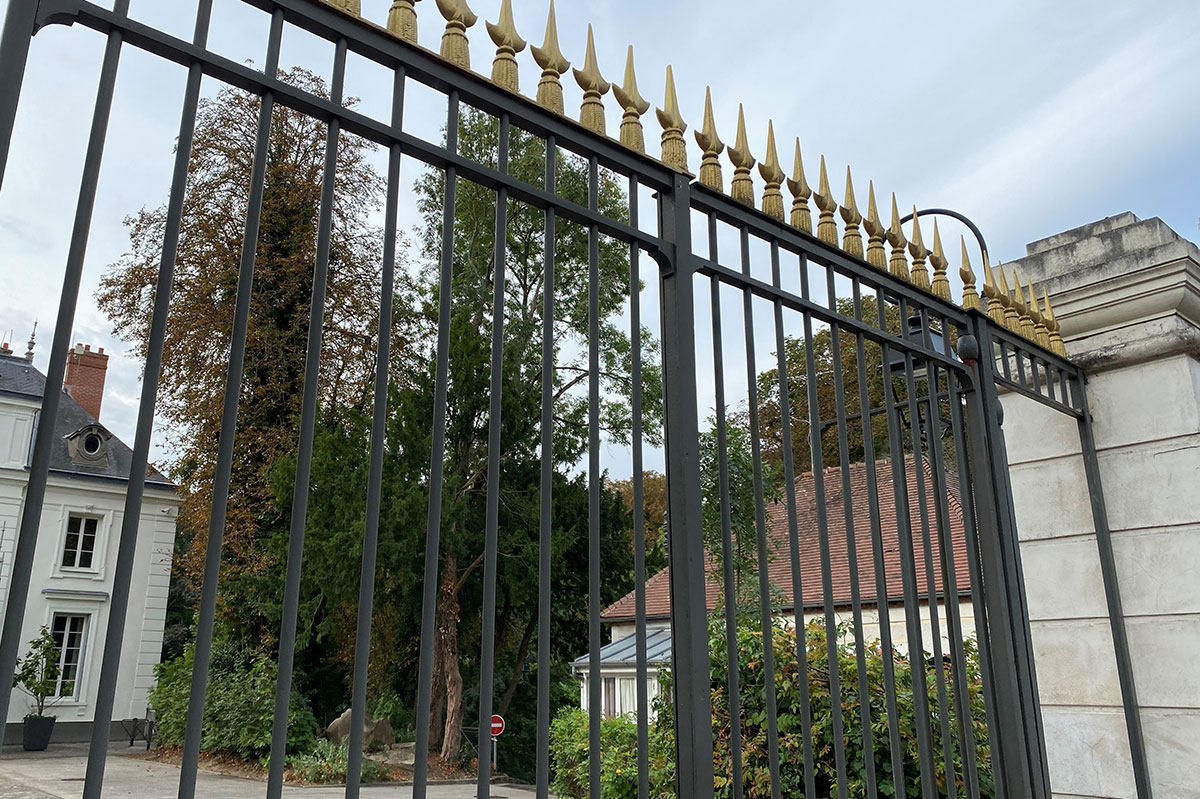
x,y
68,630
80,546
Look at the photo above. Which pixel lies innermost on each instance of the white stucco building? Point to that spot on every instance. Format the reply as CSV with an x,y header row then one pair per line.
x,y
76,551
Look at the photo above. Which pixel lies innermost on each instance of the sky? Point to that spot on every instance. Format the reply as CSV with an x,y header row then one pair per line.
x,y
1029,117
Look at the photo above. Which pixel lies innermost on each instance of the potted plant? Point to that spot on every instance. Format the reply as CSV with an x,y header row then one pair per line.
x,y
37,674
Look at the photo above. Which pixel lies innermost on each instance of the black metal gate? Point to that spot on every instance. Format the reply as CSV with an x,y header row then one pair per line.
x,y
898,514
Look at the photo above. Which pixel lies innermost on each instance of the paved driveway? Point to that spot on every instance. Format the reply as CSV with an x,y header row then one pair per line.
x,y
60,775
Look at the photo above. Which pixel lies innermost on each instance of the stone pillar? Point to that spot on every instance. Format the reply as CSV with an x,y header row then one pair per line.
x,y
1127,295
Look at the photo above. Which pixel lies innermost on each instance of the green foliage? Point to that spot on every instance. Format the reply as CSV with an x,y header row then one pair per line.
x,y
38,671
569,733
327,763
397,710
238,708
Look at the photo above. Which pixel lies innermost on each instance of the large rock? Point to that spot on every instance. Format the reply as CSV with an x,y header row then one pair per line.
x,y
378,733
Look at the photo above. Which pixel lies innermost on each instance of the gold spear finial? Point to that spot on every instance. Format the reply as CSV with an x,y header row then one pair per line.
x,y
876,254
937,259
919,273
1056,340
1027,328
591,114
970,295
553,63
898,263
773,176
1012,319
712,147
1041,334
455,47
349,6
402,20
827,205
508,44
851,239
634,105
742,188
798,186
674,148
991,290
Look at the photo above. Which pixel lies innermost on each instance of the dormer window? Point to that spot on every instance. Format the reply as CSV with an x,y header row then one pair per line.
x,y
88,446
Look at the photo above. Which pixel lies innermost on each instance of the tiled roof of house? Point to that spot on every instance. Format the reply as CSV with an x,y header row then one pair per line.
x,y
658,600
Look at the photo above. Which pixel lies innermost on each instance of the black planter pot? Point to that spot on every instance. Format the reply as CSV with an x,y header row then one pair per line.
x,y
37,732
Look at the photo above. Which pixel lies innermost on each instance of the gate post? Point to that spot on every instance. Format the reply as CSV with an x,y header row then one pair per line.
x,y
1019,735
689,610
19,22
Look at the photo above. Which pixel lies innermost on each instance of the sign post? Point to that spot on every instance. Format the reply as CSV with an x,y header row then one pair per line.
x,y
497,728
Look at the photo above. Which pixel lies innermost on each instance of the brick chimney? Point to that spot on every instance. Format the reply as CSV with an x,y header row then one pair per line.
x,y
84,380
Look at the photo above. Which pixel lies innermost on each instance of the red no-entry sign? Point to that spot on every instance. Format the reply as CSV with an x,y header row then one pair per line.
x,y
497,725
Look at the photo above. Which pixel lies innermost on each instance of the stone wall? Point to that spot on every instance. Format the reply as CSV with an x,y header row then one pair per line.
x,y
1127,294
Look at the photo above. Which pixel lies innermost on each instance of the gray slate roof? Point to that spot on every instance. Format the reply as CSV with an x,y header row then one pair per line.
x,y
624,651
18,378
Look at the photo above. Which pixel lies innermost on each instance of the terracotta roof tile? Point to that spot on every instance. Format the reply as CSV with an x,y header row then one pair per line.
x,y
658,600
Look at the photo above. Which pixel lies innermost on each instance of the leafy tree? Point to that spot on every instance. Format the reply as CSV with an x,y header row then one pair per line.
x,y
199,328
38,672
654,514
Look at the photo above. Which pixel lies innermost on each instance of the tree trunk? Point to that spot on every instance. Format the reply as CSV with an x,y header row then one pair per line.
x,y
519,668
448,657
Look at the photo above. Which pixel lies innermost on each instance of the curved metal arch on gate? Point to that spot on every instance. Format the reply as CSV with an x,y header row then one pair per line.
x,y
831,419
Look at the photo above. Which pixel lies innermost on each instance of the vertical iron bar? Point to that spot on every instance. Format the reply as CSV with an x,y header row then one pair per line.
x,y
304,455
689,610
639,515
15,40
35,492
547,486
817,455
487,655
114,635
839,390
595,683
206,615
732,661
366,579
1112,597
908,573
886,644
921,435
436,462
760,525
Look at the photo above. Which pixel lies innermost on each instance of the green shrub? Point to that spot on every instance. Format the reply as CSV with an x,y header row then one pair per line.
x,y
391,706
569,733
238,710
328,763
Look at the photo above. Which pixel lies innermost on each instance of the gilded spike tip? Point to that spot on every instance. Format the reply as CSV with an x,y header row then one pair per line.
x,y
455,47
742,188
1041,334
937,259
991,290
508,44
876,254
1056,340
1027,328
898,263
674,148
402,20
633,105
349,6
772,175
1012,318
712,147
591,114
970,298
919,273
827,205
851,238
798,186
553,63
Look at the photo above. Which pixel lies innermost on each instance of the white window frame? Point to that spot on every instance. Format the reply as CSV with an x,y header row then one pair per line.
x,y
104,520
77,695
94,566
